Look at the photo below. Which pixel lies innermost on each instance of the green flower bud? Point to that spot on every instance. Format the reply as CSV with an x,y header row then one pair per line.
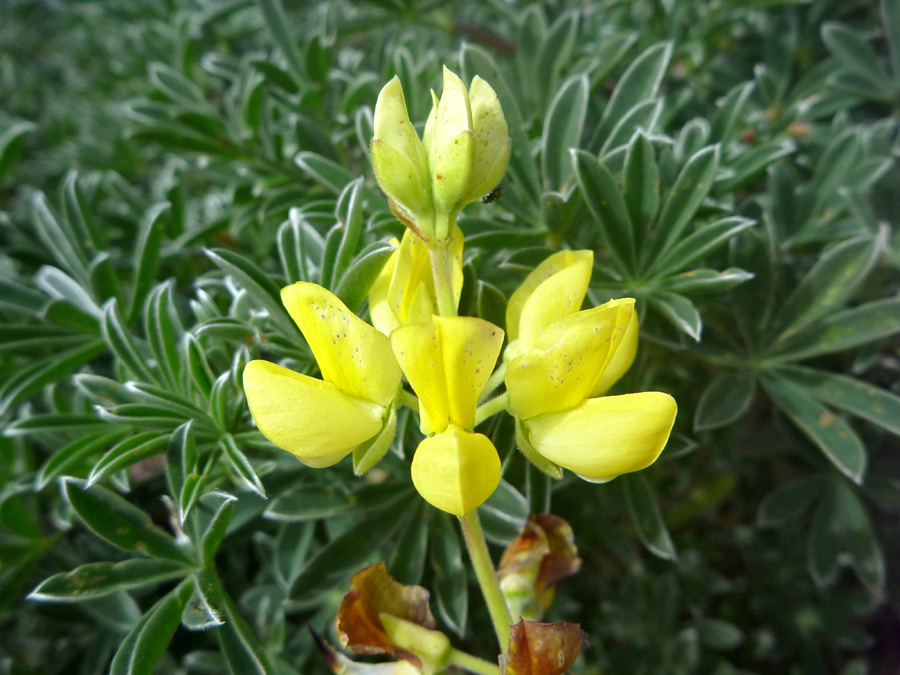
x,y
462,156
400,161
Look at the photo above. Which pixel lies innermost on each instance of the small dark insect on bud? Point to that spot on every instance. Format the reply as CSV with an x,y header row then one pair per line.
x,y
493,195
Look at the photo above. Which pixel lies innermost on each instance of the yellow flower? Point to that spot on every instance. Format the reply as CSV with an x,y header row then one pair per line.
x,y
462,156
322,421
562,360
447,362
404,292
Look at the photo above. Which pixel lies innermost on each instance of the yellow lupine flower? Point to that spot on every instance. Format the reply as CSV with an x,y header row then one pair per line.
x,y
561,363
447,362
322,421
404,292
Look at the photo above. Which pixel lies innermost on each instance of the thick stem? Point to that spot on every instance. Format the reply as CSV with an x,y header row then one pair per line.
x,y
487,576
494,381
472,663
442,272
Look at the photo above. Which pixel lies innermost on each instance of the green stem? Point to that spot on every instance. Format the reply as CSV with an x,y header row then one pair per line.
x,y
408,399
494,381
491,407
487,576
442,272
472,663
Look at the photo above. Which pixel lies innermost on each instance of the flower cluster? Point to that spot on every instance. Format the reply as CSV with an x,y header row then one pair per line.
x,y
559,362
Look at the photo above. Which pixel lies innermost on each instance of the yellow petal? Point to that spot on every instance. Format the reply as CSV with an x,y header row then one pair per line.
x,y
380,311
353,356
563,368
622,358
491,140
447,363
554,289
307,417
456,471
607,436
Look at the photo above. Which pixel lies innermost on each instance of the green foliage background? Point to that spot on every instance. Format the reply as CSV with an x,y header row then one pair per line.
x,y
165,167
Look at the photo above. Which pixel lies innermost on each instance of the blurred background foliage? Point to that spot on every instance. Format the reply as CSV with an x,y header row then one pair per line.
x,y
165,167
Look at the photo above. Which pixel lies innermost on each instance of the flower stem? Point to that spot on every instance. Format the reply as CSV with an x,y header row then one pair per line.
x,y
442,271
491,407
487,576
408,399
494,381
472,663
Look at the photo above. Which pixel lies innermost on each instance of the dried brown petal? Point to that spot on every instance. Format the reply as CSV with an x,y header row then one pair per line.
x,y
341,665
542,648
535,561
374,591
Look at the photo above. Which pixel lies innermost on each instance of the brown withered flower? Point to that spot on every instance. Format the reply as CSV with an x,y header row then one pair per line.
x,y
534,562
381,616
542,648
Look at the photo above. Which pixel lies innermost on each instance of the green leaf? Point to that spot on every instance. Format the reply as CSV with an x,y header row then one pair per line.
x,y
240,647
851,328
646,516
182,470
726,119
121,343
726,399
504,514
98,579
314,502
241,465
683,200
356,282
198,366
856,397
163,333
145,644
638,83
104,282
890,11
641,119
127,453
830,433
60,240
832,281
350,550
607,205
640,184
449,581
752,163
720,635
79,216
215,531
258,284
679,311
563,127
200,613
277,23
36,376
329,174
146,254
789,501
57,284
856,56
491,303
348,212
120,523
840,533
12,141
175,86
408,560
701,243
700,281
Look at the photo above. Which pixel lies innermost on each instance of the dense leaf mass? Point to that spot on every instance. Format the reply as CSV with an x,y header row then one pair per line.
x,y
167,167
